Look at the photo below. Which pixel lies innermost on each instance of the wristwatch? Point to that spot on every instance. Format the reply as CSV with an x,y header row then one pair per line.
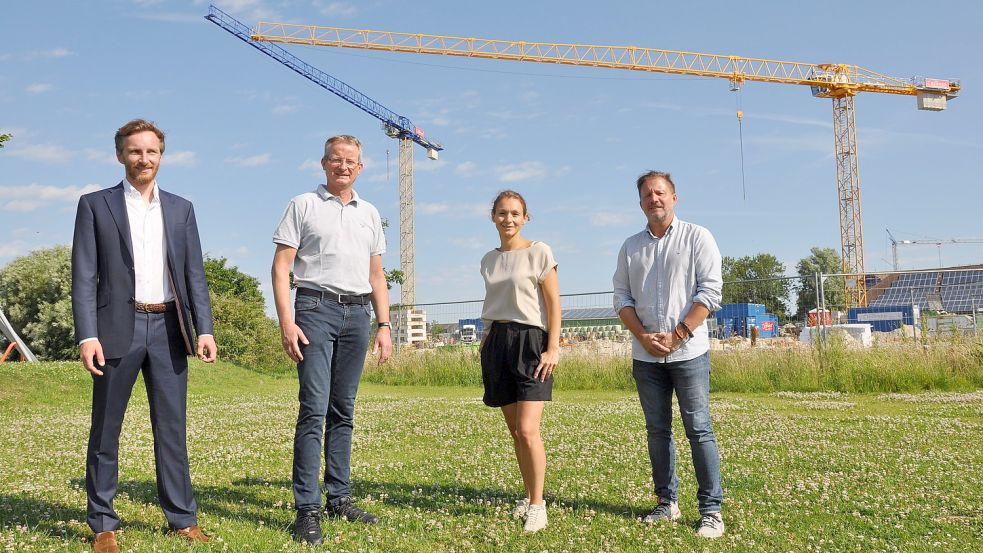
x,y
386,324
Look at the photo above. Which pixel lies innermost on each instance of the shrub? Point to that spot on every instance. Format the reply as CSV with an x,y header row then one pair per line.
x,y
35,294
246,336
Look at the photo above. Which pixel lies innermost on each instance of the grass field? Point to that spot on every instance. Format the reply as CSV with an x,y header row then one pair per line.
x,y
816,471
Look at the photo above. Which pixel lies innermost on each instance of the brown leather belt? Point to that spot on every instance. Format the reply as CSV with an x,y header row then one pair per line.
x,y
154,307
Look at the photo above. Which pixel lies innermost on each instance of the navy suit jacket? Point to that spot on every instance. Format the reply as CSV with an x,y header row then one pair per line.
x,y
103,280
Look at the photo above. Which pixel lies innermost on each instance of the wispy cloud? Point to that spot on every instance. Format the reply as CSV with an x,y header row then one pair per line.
x,y
511,115
428,165
35,196
38,88
49,153
521,171
289,107
791,119
470,210
248,9
802,143
181,159
37,54
611,219
251,161
661,105
171,17
16,248
102,156
53,53
336,9
425,208
466,169
469,243
311,166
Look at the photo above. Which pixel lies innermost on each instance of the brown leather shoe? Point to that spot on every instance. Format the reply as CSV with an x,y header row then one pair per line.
x,y
105,542
192,533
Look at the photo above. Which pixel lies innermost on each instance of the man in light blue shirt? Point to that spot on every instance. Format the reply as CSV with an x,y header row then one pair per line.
x,y
668,280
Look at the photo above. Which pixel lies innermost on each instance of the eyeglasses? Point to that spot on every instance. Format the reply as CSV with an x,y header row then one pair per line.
x,y
340,162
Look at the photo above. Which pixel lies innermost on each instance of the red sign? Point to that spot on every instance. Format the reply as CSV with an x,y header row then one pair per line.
x,y
941,84
768,326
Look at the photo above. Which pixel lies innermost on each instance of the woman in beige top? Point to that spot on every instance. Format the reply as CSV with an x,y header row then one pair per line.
x,y
522,346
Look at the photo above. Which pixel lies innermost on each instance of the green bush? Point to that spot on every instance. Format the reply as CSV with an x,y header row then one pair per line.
x,y
246,336
35,294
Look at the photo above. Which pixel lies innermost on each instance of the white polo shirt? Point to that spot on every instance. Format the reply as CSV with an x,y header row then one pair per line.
x,y
334,241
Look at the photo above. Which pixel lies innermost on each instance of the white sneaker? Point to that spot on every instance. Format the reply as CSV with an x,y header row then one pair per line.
x,y
664,511
711,526
521,506
535,518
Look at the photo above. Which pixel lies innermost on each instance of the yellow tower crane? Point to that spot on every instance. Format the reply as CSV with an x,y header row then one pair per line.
x,y
840,82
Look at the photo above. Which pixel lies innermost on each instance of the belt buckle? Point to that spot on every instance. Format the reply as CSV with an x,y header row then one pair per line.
x,y
344,299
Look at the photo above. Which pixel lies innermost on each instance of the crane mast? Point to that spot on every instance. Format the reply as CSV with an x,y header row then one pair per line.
x,y
395,126
840,82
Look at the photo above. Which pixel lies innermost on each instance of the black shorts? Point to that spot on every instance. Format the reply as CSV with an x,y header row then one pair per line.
x,y
509,358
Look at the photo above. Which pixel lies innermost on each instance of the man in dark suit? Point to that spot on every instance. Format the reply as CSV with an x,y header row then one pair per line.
x,y
138,296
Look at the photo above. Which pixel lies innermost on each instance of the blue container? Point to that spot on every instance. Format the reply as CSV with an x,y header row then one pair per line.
x,y
768,327
882,318
736,319
741,310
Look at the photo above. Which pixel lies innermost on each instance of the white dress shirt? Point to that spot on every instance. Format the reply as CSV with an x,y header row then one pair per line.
x,y
149,251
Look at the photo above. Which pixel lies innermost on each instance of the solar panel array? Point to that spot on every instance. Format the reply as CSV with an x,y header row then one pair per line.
x,y
589,313
960,291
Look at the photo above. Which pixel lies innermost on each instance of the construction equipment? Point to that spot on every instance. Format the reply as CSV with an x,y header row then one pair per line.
x,y
839,82
7,330
937,243
395,126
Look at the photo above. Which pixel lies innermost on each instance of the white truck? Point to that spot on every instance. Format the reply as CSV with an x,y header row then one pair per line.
x,y
469,334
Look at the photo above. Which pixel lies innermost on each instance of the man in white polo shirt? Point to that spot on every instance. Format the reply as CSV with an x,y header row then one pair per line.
x,y
333,240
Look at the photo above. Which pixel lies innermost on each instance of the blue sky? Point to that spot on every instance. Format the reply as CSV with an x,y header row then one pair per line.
x,y
245,133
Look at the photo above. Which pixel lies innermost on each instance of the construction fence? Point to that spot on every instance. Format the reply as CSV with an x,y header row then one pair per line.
x,y
789,310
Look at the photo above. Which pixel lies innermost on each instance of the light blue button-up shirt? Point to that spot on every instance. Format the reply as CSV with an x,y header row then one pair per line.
x,y
663,277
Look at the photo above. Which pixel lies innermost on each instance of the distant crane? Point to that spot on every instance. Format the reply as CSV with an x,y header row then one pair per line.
x,y
937,243
827,80
395,126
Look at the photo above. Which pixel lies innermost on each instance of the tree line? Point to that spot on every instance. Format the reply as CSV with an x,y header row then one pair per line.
x,y
761,278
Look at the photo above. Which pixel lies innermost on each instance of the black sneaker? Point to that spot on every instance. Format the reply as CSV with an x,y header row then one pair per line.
x,y
307,528
345,510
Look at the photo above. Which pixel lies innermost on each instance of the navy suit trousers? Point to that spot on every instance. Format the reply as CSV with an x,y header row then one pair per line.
x,y
158,351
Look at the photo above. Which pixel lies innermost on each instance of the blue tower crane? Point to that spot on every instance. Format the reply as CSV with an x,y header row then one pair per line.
x,y
395,126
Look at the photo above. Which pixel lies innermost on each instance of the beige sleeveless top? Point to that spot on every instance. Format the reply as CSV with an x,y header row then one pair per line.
x,y
512,284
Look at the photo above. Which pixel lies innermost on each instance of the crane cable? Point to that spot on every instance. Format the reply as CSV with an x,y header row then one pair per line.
x,y
740,133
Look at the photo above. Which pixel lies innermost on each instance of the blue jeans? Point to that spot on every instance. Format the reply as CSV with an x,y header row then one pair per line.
x,y
691,381
329,375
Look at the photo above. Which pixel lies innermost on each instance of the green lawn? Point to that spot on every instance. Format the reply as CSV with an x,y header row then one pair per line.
x,y
802,471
